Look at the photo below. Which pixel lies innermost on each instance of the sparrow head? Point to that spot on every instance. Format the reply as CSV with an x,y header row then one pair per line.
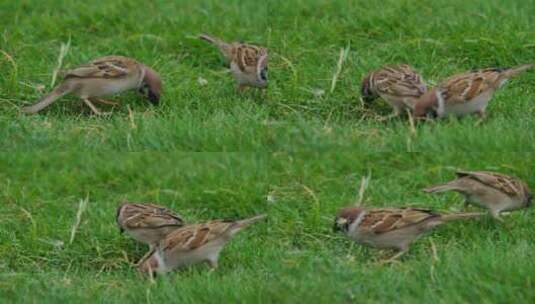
x,y
119,215
262,69
426,105
368,95
345,218
151,86
529,196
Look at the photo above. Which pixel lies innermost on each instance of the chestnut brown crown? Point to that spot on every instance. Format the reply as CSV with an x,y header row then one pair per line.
x,y
152,85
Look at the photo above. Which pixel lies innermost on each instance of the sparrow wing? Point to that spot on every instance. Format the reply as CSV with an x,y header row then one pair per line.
x,y
399,81
247,56
389,219
463,88
194,236
501,182
105,67
149,216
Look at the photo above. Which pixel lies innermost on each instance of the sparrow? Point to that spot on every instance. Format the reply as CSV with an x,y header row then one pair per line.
x,y
399,85
147,223
465,93
101,77
191,244
248,63
493,191
391,228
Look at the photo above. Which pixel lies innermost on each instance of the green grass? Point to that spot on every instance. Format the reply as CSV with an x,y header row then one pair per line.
x,y
306,153
291,257
305,38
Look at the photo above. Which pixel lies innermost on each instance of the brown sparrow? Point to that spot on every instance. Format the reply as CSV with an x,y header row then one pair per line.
x,y
147,223
466,93
248,63
493,191
101,77
399,85
193,244
391,228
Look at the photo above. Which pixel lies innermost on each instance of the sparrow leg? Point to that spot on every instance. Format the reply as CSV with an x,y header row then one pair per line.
x,y
390,116
395,257
104,101
496,215
92,106
393,115
240,88
465,206
213,264
482,115
151,249
152,275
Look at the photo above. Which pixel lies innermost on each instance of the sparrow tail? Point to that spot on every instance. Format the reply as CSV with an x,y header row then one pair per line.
x,y
440,188
460,216
224,47
57,93
246,222
518,69
210,39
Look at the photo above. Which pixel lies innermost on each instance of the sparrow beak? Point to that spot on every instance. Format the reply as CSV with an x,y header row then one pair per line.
x,y
335,227
339,223
154,97
367,98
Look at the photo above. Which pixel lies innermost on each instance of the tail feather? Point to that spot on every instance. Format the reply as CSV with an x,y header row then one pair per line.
x,y
57,93
460,216
440,188
518,69
246,222
224,47
210,39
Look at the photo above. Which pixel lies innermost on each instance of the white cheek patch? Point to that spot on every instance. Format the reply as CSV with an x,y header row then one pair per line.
x,y
441,104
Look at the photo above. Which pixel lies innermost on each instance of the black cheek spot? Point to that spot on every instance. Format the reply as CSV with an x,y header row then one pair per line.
x,y
432,114
264,74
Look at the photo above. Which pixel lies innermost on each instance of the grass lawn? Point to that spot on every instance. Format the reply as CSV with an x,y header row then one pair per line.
x,y
297,154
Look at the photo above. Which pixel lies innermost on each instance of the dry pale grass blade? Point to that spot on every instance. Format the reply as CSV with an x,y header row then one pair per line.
x,y
29,216
364,182
289,64
82,205
131,118
411,122
311,193
64,49
10,59
434,251
343,56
